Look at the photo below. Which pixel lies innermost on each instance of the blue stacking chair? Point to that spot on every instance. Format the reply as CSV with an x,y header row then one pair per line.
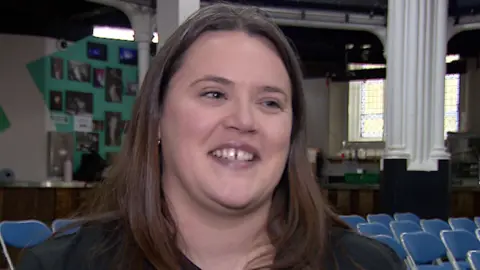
x,y
462,223
407,217
353,220
371,229
393,244
400,227
458,244
424,251
434,226
473,258
22,234
384,219
59,224
477,234
477,221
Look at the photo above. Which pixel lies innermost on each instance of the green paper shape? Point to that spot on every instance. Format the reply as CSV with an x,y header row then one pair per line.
x,y
4,123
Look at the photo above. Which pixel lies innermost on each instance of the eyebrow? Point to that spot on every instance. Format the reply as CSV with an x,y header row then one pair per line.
x,y
212,78
225,81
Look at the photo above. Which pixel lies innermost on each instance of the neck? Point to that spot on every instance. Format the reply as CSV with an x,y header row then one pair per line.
x,y
215,241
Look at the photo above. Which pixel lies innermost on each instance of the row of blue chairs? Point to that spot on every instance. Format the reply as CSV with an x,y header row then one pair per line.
x,y
29,233
423,242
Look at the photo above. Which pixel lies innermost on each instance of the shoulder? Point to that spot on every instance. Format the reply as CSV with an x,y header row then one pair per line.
x,y
354,251
74,251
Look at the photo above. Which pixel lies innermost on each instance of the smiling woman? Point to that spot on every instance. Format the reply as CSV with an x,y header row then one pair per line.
x,y
214,171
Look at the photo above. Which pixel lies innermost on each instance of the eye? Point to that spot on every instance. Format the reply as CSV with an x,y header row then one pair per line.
x,y
214,95
272,104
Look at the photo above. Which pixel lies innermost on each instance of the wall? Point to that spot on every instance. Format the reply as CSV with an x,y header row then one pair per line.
x,y
327,114
25,92
24,145
86,87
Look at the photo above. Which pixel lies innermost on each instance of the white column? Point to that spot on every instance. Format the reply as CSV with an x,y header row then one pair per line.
x,y
415,87
143,32
141,19
170,14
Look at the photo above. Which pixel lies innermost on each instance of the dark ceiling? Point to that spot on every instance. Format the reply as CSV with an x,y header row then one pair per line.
x,y
321,50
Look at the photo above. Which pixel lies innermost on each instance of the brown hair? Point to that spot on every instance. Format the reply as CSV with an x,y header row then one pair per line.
x,y
132,196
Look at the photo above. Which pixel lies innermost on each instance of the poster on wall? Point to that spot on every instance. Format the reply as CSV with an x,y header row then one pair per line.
x,y
56,100
99,78
78,71
97,51
59,118
113,85
87,141
132,89
113,129
56,68
83,123
98,125
79,103
60,148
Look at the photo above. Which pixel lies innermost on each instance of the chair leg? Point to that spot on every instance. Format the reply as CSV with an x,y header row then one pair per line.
x,y
5,254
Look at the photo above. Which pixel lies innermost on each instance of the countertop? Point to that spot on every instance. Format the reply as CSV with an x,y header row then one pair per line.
x,y
46,184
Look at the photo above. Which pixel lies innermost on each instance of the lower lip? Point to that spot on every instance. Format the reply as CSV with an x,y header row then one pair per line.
x,y
234,164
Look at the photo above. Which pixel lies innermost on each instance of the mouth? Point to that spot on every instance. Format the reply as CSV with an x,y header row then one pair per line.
x,y
235,153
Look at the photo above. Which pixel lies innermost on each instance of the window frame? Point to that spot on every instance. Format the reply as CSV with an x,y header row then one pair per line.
x,y
355,106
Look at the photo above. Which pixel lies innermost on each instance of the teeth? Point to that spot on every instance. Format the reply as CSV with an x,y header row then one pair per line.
x,y
233,154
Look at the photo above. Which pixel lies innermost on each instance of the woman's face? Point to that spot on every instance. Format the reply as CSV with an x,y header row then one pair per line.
x,y
226,123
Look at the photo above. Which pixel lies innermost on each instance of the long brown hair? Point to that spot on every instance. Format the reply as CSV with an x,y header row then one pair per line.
x,y
132,195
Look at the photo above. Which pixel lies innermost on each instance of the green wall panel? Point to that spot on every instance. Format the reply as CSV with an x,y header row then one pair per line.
x,y
43,76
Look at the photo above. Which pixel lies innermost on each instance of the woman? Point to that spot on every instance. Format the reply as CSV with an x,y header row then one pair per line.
x,y
222,111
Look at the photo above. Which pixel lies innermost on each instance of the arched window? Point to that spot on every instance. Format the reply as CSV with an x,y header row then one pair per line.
x,y
365,115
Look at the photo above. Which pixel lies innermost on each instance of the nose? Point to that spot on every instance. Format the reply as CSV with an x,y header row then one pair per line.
x,y
241,117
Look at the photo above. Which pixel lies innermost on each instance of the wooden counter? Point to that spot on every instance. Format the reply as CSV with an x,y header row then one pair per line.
x,y
364,199
44,201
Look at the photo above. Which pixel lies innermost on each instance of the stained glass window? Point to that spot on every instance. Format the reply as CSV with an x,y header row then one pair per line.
x,y
370,97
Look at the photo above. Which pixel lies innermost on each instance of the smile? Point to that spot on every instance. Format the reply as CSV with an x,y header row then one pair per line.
x,y
233,154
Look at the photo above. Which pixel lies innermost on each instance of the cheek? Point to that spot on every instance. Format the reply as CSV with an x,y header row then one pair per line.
x,y
186,123
279,133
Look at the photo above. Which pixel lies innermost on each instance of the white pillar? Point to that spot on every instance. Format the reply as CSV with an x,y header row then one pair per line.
x,y
141,21
415,87
170,14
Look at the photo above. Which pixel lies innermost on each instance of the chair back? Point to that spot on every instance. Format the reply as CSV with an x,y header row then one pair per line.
x,y
422,247
400,227
384,219
434,226
473,258
60,224
477,234
459,243
353,220
22,234
407,217
393,244
477,221
371,229
462,223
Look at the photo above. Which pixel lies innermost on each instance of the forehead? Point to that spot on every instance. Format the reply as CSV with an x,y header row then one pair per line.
x,y
235,55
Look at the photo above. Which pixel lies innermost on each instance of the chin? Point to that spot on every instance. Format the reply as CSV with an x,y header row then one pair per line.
x,y
236,202
239,203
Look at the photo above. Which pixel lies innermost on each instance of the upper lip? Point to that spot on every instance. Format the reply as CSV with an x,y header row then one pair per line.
x,y
239,146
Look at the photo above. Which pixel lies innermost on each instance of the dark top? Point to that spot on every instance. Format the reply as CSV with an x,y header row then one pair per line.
x,y
71,252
